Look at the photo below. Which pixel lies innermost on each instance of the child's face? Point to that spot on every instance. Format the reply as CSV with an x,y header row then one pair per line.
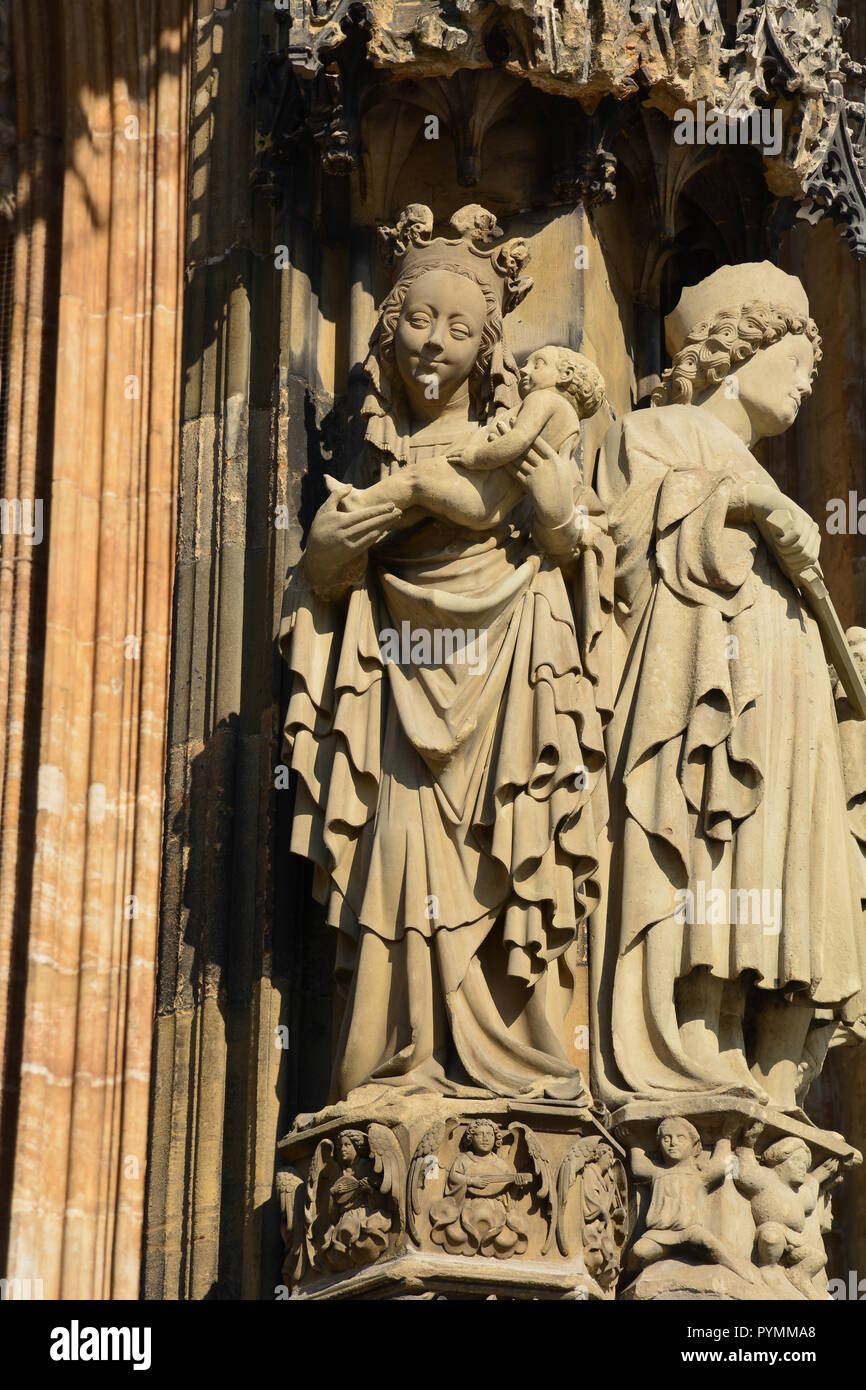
x,y
674,1142
539,372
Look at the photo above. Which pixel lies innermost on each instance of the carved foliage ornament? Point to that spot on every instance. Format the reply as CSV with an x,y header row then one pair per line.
x,y
784,51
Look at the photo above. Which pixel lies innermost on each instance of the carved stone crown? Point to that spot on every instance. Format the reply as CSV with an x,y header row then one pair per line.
x,y
410,246
728,289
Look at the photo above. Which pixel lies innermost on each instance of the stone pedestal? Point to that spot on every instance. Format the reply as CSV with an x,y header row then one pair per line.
x,y
733,1199
403,1196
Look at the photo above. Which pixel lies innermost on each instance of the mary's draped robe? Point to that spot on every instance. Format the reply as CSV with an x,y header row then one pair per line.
x,y
451,812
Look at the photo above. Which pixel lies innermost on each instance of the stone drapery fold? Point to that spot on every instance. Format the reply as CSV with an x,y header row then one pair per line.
x,y
439,801
724,753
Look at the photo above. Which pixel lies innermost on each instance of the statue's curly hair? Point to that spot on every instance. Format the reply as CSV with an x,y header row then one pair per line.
x,y
784,1148
482,1122
585,384
491,333
714,349
356,1137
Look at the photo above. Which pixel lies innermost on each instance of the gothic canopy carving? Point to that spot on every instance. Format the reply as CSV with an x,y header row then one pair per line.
x,y
783,54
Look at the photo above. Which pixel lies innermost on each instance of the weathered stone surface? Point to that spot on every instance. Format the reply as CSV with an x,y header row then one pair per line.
x,y
397,1194
776,54
734,1200
81,897
466,933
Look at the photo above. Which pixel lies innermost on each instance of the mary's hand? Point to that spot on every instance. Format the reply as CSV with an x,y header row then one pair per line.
x,y
339,540
549,479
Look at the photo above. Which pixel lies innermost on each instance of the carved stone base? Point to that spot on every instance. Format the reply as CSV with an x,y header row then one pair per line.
x,y
404,1195
733,1199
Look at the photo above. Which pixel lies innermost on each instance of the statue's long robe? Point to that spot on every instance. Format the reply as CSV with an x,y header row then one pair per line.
x,y
447,812
725,764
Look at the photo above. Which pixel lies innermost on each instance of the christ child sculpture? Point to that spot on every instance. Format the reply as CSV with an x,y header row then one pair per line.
x,y
559,387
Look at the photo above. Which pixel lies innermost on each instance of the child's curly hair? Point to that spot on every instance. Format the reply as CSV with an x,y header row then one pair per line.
x,y
476,1126
713,350
581,381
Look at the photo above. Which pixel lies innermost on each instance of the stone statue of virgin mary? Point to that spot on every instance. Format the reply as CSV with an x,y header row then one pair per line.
x,y
451,806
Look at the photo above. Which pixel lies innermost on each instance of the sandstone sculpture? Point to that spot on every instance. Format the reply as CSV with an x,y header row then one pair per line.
x,y
675,1218
457,855
478,1211
786,1197
633,721
731,777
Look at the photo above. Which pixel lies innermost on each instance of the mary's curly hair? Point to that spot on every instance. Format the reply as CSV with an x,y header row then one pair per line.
x,y
714,349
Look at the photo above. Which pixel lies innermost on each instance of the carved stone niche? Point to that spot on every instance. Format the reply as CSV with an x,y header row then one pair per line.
x,y
733,1200
425,1196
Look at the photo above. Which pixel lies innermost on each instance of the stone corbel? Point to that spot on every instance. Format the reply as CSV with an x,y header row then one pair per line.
x,y
584,165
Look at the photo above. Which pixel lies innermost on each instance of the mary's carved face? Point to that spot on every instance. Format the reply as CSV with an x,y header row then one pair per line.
x,y
774,382
439,334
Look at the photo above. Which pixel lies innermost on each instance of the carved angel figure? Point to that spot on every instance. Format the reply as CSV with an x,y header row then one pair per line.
x,y
363,1200
603,1214
478,1212
786,1209
680,1183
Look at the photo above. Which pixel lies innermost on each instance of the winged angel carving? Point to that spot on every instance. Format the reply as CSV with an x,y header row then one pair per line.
x,y
480,1210
352,1205
599,1216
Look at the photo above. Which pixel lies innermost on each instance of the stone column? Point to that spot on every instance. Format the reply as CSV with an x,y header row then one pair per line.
x,y
239,957
85,927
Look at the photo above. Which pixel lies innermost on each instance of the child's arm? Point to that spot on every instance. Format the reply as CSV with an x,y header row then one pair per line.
x,y
826,1170
477,502
748,1174
642,1167
440,489
532,417
721,1163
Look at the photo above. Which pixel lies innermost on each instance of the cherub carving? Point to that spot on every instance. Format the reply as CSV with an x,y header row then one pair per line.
x,y
365,1197
603,1208
680,1183
479,1211
424,1166
787,1207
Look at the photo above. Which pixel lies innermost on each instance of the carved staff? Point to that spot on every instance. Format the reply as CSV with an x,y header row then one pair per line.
x,y
814,589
